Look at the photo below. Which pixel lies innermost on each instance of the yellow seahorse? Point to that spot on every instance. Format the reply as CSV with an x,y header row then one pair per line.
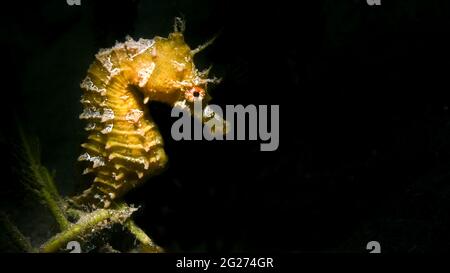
x,y
124,145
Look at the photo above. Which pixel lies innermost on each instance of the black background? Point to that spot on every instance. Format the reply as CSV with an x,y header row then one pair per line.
x,y
364,123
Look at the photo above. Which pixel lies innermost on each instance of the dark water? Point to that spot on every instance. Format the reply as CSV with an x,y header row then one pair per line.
x,y
364,123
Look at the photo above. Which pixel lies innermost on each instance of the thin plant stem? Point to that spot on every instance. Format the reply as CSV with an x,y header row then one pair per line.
x,y
142,237
55,209
87,225
20,240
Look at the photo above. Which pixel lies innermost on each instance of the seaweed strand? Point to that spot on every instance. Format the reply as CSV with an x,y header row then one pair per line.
x,y
39,180
88,224
20,240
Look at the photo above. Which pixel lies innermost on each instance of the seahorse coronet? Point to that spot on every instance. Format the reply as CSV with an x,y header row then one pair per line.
x,y
124,146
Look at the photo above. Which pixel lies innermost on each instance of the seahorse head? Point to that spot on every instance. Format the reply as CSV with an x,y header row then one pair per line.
x,y
174,78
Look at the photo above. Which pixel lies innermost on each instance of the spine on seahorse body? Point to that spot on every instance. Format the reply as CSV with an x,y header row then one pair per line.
x,y
124,145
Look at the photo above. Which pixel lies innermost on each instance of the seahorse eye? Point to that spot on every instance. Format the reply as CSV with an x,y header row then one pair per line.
x,y
195,92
